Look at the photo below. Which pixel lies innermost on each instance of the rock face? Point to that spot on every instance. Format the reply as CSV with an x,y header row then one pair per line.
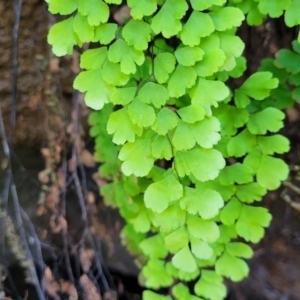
x,y
30,67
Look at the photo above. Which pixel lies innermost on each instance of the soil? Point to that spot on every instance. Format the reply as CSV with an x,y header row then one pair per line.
x,y
45,122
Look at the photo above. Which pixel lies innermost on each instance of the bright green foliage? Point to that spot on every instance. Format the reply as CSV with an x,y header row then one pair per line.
x,y
181,79
155,274
269,170
165,120
167,20
142,8
292,14
64,8
180,291
160,193
96,11
224,267
170,219
198,25
251,223
210,286
137,34
206,203
62,37
227,18
184,260
164,64
105,33
149,295
204,164
97,90
185,148
123,131
274,8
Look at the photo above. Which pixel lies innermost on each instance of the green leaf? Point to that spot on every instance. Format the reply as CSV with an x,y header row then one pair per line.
x,y
153,93
288,60
210,63
93,58
206,203
232,267
270,171
225,191
97,90
177,240
233,47
251,222
207,93
197,26
182,78
149,295
127,56
201,249
226,18
236,173
141,222
259,85
120,125
164,64
240,68
96,11
137,34
206,132
274,9
167,20
273,144
161,147
184,260
292,14
182,138
170,219
227,233
191,113
186,276
62,37
241,144
205,230
231,212
165,120
63,7
137,158
181,292
250,192
241,99
105,33
269,119
210,286
231,118
123,96
113,1
142,8
205,4
112,74
239,249
141,114
188,56
156,275
81,27
154,247
159,194
204,164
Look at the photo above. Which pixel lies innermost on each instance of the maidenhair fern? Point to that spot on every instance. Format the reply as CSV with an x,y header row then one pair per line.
x,y
185,156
